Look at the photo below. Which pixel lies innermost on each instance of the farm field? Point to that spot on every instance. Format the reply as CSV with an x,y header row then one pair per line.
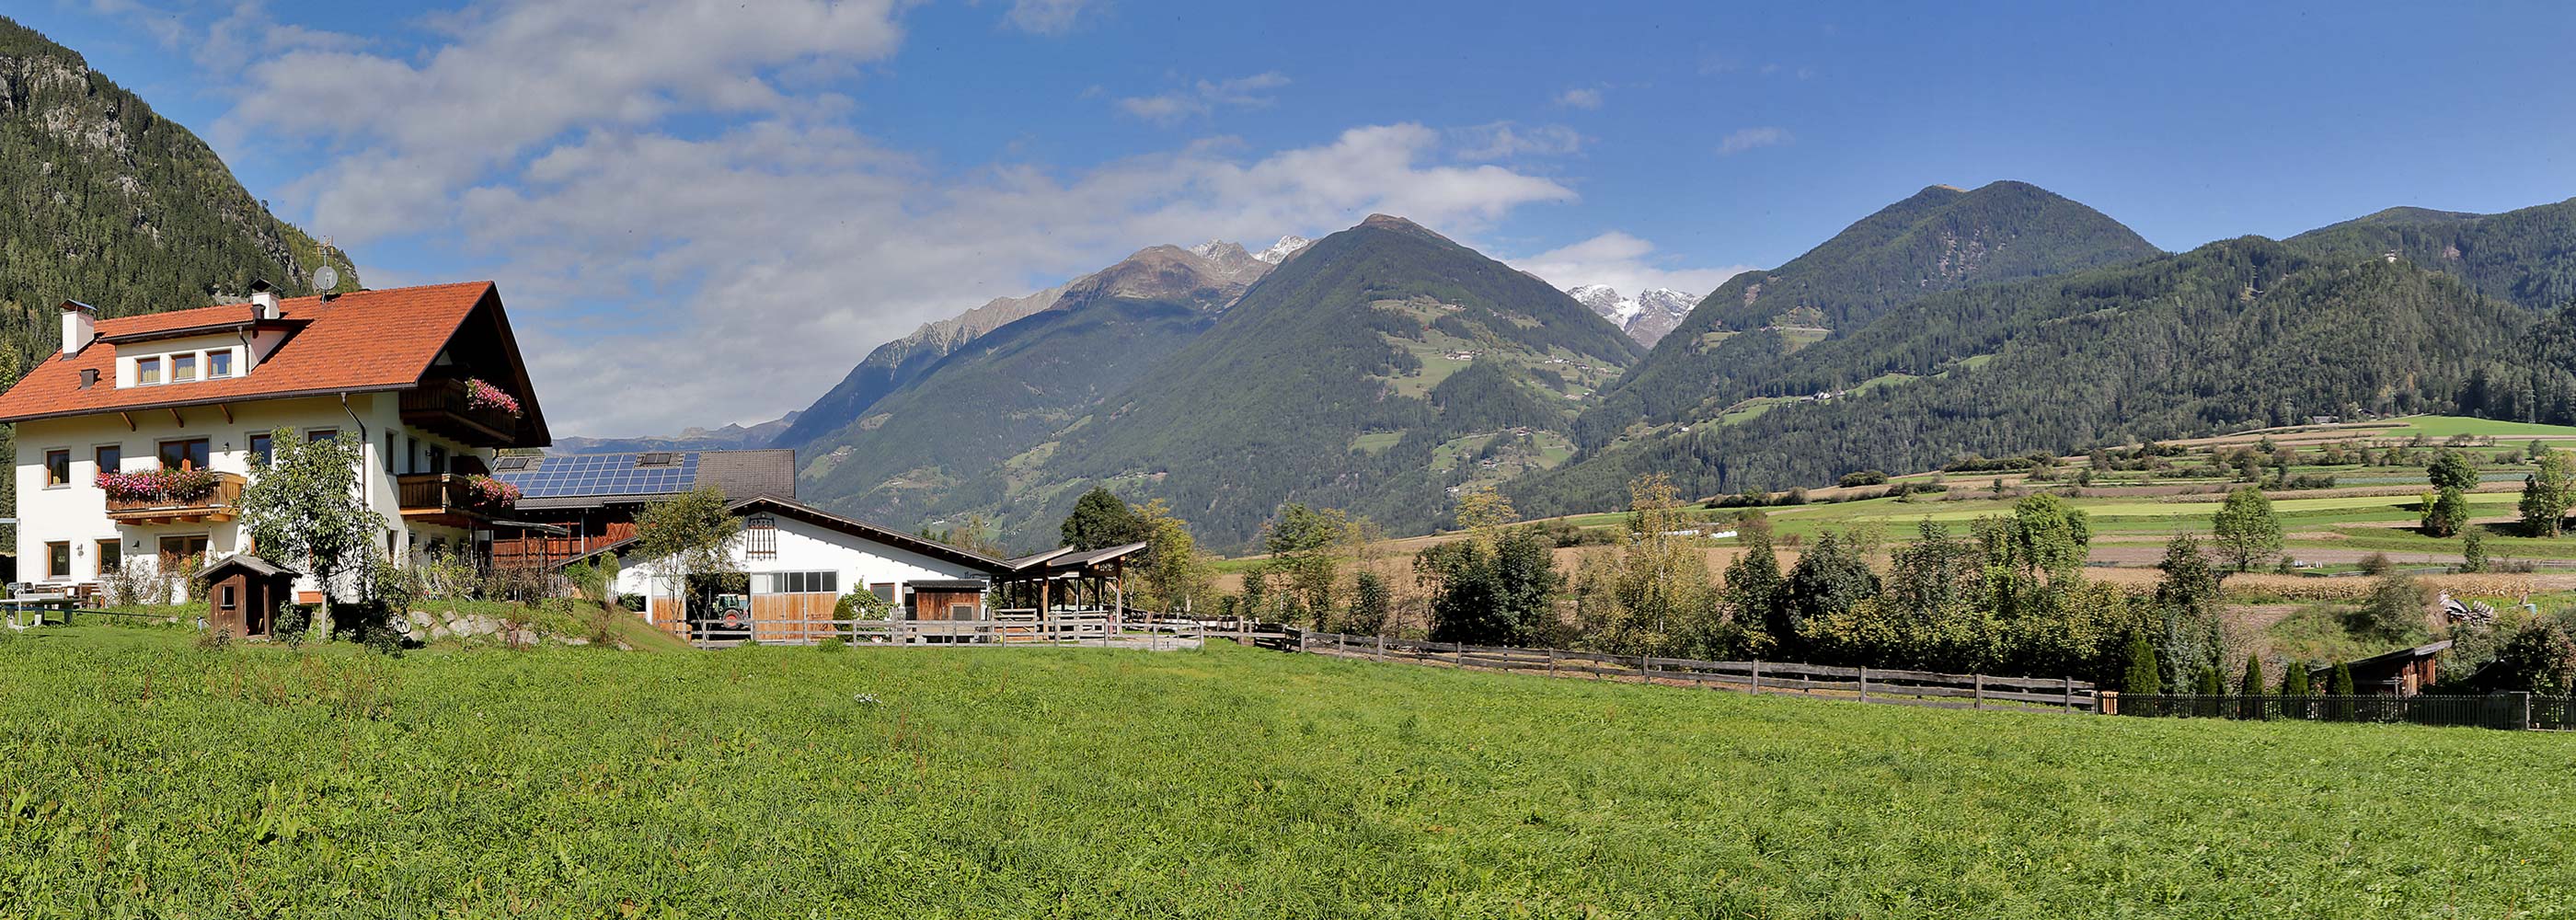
x,y
144,776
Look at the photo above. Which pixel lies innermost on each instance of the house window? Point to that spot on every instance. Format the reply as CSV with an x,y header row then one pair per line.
x,y
111,458
111,556
312,435
219,364
437,459
961,611
189,454
262,447
147,370
58,561
805,582
884,590
58,468
182,551
389,452
183,368
224,597
760,537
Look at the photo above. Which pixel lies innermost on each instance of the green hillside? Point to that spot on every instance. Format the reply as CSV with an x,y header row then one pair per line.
x,y
145,777
1001,396
105,202
2526,256
1941,239
1374,371
2233,335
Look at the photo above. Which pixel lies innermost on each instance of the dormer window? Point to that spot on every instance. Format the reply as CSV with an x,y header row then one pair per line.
x,y
183,368
219,364
147,371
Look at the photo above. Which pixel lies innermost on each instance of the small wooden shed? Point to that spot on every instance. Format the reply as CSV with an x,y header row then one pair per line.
x,y
242,593
2404,672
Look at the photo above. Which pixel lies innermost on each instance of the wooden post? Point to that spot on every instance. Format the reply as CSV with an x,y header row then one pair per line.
x,y
1381,648
1757,677
1551,662
1341,645
1461,649
2070,694
1978,697
1864,685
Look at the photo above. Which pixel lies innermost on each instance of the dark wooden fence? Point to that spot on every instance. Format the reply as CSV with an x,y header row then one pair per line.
x,y
1868,685
2510,711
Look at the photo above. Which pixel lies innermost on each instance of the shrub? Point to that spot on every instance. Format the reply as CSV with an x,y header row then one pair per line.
x,y
2341,684
1371,600
290,623
2394,611
2473,552
2294,679
2376,564
830,644
2539,658
1862,478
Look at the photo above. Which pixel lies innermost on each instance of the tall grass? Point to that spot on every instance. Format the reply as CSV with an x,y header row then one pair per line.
x,y
142,776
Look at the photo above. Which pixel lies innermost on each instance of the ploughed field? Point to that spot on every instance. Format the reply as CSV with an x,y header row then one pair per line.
x,y
143,776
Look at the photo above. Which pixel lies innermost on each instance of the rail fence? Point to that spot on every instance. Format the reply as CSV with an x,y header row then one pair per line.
x,y
1007,627
2509,711
1868,685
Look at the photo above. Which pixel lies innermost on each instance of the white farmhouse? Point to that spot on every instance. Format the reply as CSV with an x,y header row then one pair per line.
x,y
174,408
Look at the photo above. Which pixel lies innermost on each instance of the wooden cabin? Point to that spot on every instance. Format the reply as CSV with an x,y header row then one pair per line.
x,y
2404,672
242,594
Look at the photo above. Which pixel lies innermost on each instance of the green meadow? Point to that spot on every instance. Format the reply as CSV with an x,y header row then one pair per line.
x,y
144,776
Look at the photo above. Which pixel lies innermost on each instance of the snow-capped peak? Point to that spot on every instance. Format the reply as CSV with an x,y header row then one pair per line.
x,y
1209,249
1280,251
1645,317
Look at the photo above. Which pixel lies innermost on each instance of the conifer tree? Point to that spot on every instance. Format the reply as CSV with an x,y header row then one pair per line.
x,y
2145,677
2252,688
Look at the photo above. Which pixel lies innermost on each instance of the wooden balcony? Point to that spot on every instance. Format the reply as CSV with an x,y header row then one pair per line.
x,y
439,406
217,504
440,498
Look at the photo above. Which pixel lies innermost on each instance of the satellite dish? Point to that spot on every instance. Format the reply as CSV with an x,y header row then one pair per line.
x,y
326,278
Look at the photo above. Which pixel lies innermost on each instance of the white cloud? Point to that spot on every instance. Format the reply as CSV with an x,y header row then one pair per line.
x,y
1204,98
1749,138
1621,261
1579,99
1503,140
1044,17
517,75
759,265
689,234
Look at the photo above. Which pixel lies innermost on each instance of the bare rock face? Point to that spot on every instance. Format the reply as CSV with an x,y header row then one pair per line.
x,y
1646,317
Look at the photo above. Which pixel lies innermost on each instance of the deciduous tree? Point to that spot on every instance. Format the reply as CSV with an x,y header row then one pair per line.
x,y
302,508
687,537
2248,535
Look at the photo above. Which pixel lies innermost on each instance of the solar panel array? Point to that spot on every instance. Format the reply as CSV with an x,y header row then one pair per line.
x,y
564,475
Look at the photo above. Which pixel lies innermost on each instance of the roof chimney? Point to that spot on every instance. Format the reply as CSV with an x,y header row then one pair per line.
x,y
264,297
80,326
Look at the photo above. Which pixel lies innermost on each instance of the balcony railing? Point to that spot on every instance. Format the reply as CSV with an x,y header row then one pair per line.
x,y
440,495
218,504
440,406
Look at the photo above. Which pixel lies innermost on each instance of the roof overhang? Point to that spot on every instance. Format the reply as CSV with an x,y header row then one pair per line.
x,y
245,325
207,401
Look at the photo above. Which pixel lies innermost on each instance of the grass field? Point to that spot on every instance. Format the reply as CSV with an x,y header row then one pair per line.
x,y
144,777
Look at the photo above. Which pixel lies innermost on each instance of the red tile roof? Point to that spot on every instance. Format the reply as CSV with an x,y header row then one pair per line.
x,y
360,342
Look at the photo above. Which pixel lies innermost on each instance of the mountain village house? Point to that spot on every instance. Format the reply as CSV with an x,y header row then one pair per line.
x,y
134,442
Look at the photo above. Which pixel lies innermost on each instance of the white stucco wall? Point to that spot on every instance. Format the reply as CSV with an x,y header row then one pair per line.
x,y
77,512
804,547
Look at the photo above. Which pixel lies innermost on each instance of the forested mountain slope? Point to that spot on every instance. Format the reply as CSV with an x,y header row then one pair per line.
x,y
1378,368
1941,239
2526,256
105,202
977,411
2235,334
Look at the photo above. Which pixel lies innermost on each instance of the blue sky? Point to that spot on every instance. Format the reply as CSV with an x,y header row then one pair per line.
x,y
726,205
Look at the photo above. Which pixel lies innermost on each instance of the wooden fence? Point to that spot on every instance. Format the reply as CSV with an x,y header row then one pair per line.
x,y
1007,628
1868,685
2509,711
